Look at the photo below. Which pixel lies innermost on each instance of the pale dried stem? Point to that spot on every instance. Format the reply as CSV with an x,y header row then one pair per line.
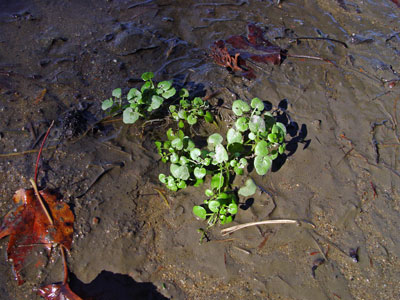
x,y
232,229
39,197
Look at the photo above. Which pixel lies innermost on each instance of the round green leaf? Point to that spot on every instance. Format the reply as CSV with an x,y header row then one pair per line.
x,y
200,212
214,140
214,205
234,136
130,116
257,104
217,181
262,164
274,154
198,102
242,163
195,154
156,102
145,86
184,93
220,154
180,172
182,184
163,178
242,124
252,136
248,189
117,93
174,157
164,85
134,94
199,173
239,107
169,93
209,193
107,104
183,160
281,127
172,108
171,184
233,208
261,148
182,114
273,138
225,219
192,119
257,124
181,124
177,143
147,76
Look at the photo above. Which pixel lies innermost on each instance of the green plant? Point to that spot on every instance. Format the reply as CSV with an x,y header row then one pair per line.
x,y
138,103
190,110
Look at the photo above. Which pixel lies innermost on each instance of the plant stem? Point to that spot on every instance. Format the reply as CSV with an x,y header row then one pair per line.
x,y
232,229
40,151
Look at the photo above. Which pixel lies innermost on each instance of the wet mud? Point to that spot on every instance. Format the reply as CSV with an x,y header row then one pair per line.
x,y
60,59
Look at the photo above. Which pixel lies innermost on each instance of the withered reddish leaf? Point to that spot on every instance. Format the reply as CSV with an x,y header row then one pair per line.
x,y
258,49
58,292
28,226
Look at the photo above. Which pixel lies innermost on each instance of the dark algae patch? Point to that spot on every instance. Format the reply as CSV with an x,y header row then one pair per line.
x,y
134,237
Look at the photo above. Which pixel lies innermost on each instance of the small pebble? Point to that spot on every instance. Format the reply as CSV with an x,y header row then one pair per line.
x,y
95,221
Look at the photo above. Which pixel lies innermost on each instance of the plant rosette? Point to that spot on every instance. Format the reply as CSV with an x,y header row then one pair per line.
x,y
139,102
190,111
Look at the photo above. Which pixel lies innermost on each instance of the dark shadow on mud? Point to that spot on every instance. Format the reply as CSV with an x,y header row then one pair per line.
x,y
110,286
297,134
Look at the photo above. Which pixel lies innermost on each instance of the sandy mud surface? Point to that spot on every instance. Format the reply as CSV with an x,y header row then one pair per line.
x,y
341,171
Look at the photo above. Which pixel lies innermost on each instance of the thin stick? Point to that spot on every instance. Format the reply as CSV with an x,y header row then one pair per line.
x,y
41,201
310,57
25,152
162,196
40,151
232,229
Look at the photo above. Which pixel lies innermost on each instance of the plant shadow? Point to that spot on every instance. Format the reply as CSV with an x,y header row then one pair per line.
x,y
110,286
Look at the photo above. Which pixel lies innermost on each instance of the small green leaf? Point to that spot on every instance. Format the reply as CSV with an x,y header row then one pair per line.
x,y
252,136
214,205
208,117
145,86
281,127
262,164
177,143
174,157
257,124
184,93
171,184
217,181
117,93
233,208
181,124
182,184
197,102
257,104
209,193
274,154
169,93
188,144
234,136
195,154
183,160
239,107
134,94
182,114
242,124
200,212
156,102
147,76
130,116
238,171
220,154
261,148
199,173
180,172
198,182
282,148
172,108
248,189
214,140
162,178
164,85
225,219
107,104
192,119
273,138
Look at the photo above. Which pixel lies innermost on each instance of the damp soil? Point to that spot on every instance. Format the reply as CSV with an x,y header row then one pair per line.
x,y
60,59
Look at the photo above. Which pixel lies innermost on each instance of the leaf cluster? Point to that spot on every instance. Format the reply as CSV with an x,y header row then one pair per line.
x,y
138,102
190,110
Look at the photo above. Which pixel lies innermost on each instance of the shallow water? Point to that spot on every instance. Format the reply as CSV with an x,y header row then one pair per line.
x,y
343,175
